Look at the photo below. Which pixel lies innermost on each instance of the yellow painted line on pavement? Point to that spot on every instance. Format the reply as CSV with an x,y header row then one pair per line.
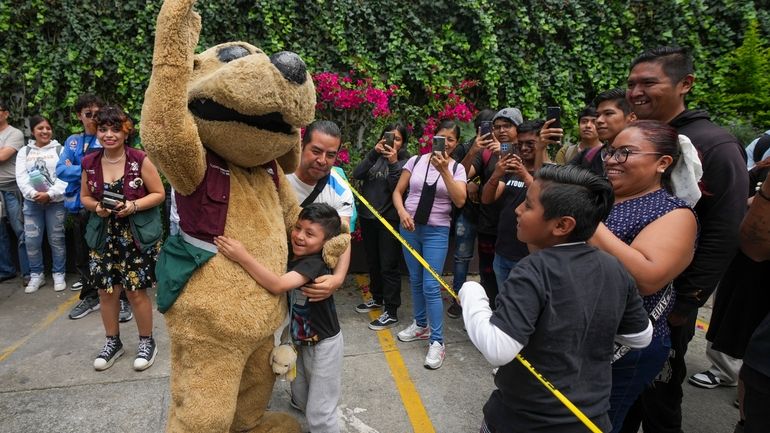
x,y
700,324
45,323
415,410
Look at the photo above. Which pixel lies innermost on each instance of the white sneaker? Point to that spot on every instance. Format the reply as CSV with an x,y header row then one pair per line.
x,y
435,357
58,282
414,332
35,282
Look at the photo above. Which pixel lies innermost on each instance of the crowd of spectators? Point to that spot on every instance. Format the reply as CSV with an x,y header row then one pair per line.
x,y
620,239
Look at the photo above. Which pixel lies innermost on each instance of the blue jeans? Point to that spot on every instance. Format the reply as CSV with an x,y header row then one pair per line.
x,y
465,242
49,218
502,267
16,219
631,374
431,243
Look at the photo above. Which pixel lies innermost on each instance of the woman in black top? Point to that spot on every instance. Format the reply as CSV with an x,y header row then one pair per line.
x,y
379,171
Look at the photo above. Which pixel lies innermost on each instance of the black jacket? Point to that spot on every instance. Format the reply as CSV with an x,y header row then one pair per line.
x,y
379,180
720,210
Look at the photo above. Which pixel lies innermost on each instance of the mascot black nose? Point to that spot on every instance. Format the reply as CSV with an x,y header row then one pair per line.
x,y
291,66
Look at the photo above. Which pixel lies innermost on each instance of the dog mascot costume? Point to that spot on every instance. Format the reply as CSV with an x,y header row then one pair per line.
x,y
223,126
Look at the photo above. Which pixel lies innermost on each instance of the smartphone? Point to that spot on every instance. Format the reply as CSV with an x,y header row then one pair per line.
x,y
486,128
553,113
439,144
389,137
505,148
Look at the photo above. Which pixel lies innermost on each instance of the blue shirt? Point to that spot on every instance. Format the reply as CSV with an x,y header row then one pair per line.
x,y
75,147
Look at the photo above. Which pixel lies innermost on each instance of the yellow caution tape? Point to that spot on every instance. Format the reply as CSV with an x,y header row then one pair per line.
x,y
565,401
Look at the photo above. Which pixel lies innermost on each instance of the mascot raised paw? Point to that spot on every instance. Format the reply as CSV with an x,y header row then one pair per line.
x,y
223,127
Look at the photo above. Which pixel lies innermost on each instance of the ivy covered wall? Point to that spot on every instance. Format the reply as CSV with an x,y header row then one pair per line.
x,y
526,53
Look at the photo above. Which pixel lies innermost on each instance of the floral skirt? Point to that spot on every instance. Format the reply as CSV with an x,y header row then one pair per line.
x,y
121,262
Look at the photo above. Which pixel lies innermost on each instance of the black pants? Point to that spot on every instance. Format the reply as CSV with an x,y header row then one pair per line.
x,y
486,266
382,253
756,401
659,408
79,222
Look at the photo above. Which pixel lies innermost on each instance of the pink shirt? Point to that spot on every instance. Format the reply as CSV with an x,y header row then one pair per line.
x,y
441,214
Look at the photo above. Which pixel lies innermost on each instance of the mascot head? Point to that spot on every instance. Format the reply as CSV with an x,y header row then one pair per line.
x,y
249,107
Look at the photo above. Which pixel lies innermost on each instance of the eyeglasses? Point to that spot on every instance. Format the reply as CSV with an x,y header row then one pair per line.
x,y
621,154
502,127
90,114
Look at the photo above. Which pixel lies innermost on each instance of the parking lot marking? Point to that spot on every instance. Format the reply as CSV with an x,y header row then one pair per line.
x,y
410,398
45,323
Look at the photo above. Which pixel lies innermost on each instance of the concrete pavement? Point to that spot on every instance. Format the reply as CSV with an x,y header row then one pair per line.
x,y
48,384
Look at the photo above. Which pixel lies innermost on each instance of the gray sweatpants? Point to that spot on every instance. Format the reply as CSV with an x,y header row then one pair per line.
x,y
316,389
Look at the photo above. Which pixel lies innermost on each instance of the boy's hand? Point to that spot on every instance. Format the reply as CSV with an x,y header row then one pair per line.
x,y
320,288
231,248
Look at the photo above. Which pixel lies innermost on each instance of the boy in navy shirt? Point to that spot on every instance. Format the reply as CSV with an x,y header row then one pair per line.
x,y
315,328
562,307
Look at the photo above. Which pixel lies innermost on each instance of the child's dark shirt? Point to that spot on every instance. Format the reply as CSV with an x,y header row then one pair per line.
x,y
564,304
311,322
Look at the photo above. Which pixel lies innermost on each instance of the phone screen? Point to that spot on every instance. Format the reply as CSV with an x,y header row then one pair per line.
x,y
553,113
439,144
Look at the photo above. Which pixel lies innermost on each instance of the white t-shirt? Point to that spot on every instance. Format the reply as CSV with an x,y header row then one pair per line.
x,y
336,193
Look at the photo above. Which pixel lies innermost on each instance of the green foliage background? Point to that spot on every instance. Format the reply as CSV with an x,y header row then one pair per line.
x,y
527,53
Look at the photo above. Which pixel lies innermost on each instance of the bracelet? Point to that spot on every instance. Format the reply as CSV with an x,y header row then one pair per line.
x,y
136,207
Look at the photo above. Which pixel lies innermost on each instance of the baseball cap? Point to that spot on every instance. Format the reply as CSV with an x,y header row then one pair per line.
x,y
510,114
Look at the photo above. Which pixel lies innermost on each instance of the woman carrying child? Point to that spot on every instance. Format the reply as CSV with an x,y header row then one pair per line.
x,y
435,182
653,233
122,189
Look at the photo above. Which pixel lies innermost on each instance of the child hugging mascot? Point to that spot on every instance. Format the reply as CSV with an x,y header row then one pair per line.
x,y
223,126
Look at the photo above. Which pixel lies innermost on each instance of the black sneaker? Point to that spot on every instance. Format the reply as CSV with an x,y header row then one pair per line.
x,y
385,321
126,313
85,306
368,306
112,350
454,311
145,354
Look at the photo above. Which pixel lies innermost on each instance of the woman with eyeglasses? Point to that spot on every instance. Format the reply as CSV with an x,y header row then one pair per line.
x,y
435,182
653,233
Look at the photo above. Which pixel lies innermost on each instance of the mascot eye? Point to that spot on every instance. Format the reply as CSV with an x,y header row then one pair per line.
x,y
196,64
228,54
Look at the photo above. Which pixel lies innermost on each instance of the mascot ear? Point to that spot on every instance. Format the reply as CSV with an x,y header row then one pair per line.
x,y
334,247
289,161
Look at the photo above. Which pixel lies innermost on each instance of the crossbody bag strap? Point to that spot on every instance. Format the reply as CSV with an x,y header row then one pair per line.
x,y
319,186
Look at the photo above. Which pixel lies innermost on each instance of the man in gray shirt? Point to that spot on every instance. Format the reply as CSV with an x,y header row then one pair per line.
x,y
11,140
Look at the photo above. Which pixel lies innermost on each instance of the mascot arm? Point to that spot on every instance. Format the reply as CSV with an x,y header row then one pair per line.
x,y
288,200
168,130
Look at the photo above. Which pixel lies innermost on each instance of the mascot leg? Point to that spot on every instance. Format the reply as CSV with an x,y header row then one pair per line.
x,y
256,387
205,376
